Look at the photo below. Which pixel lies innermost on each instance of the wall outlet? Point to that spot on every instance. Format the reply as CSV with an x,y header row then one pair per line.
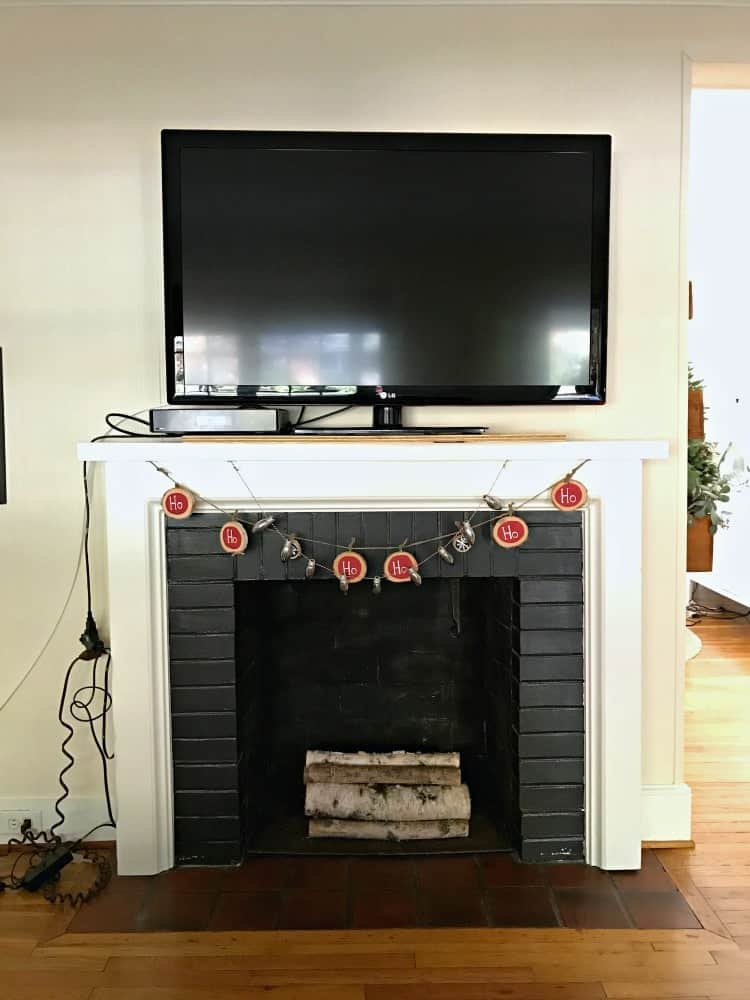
x,y
12,820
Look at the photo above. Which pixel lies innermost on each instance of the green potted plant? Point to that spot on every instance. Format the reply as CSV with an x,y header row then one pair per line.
x,y
707,487
696,409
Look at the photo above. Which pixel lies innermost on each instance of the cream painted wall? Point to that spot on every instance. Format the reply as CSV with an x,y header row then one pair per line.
x,y
85,92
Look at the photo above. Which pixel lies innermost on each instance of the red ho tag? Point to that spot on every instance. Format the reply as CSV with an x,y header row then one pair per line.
x,y
510,531
351,565
178,502
233,537
397,565
569,494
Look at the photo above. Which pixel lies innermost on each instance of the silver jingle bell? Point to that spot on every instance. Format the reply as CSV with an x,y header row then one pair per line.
x,y
415,577
445,555
291,549
492,502
310,569
467,531
343,584
263,524
377,587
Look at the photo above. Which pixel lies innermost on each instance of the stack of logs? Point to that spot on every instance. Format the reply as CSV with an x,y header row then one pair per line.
x,y
386,796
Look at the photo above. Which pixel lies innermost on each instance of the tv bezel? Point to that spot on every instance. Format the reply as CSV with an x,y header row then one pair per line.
x,y
174,141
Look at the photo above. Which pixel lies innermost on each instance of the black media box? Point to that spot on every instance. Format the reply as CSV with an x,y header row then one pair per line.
x,y
182,420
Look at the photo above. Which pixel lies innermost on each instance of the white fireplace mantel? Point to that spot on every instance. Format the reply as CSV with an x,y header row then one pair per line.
x,y
289,474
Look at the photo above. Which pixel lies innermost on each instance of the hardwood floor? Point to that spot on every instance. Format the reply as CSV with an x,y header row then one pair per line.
x,y
40,961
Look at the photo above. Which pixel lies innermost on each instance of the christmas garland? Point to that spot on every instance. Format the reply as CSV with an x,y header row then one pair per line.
x,y
349,566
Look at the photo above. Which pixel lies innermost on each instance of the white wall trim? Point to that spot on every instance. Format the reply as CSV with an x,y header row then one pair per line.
x,y
665,812
82,814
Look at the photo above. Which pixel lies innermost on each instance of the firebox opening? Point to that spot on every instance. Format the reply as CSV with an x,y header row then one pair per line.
x,y
425,668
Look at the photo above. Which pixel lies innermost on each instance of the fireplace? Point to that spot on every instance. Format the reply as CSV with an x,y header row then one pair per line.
x,y
593,745
484,658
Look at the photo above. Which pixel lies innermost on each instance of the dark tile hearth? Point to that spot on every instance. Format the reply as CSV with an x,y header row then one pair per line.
x,y
276,893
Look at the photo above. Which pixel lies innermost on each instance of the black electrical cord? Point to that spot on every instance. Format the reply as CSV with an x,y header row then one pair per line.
x,y
80,708
332,413
120,431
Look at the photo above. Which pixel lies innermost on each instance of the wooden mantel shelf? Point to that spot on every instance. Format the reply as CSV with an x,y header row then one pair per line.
x,y
369,448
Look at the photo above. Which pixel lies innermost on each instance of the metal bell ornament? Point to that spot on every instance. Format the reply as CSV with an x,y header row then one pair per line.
x,y
377,587
445,555
492,502
291,549
263,524
415,577
343,584
310,569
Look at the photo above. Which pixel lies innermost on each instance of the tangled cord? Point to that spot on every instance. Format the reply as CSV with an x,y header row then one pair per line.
x,y
50,843
82,707
35,846
80,710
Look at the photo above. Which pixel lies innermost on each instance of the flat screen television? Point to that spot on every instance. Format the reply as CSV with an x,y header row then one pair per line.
x,y
385,268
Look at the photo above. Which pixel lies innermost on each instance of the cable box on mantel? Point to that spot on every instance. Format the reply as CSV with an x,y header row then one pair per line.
x,y
184,420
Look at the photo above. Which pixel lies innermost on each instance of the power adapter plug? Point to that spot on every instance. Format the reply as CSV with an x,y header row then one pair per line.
x,y
90,639
44,870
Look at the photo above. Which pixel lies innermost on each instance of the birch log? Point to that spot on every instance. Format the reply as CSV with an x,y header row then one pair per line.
x,y
441,829
387,802
377,774
395,758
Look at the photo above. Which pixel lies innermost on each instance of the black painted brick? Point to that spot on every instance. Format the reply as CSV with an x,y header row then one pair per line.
x,y
553,763
196,673
557,642
208,853
197,542
201,595
549,563
198,829
568,694
550,516
550,745
412,702
433,733
547,616
197,521
218,802
196,568
201,647
401,668
548,668
204,750
332,668
205,777
549,590
568,770
562,849
537,825
550,798
204,726
553,536
201,620
550,720
203,699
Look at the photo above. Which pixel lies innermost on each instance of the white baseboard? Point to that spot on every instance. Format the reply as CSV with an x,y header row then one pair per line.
x,y
665,812
82,814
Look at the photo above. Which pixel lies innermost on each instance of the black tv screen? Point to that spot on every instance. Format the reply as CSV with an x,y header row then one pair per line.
x,y
358,268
